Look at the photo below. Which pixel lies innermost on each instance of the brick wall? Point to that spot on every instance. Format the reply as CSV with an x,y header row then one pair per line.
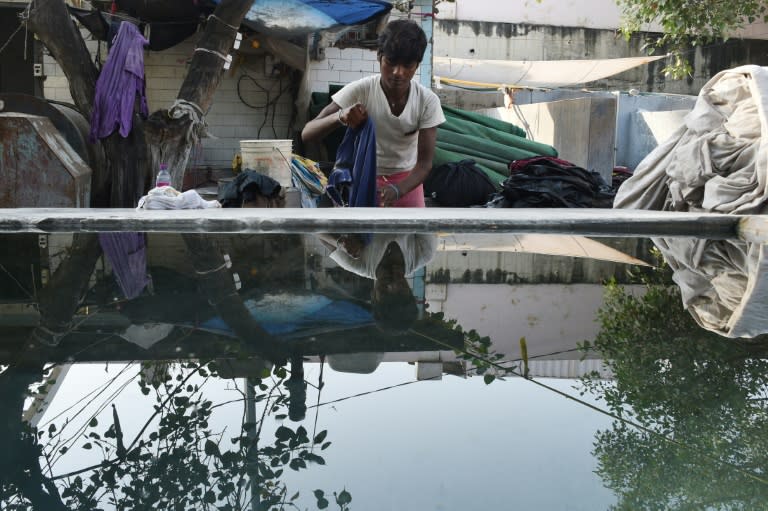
x,y
229,119
342,66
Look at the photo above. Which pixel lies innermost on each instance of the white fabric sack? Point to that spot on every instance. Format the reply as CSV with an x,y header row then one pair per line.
x,y
167,197
717,161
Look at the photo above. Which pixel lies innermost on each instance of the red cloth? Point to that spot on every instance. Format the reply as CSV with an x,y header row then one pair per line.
x,y
412,199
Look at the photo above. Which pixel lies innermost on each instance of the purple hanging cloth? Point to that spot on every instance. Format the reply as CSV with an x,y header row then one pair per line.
x,y
120,81
127,253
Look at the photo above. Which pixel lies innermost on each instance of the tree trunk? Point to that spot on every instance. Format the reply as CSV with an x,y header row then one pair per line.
x,y
50,21
20,463
59,301
172,134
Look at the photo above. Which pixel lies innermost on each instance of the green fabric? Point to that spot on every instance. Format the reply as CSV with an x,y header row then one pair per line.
x,y
483,147
494,165
478,156
318,101
483,120
469,128
445,156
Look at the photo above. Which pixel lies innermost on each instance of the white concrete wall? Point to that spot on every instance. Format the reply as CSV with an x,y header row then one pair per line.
x,y
560,13
563,13
551,317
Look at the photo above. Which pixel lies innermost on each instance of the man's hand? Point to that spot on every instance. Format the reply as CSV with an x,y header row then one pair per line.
x,y
352,245
389,194
353,116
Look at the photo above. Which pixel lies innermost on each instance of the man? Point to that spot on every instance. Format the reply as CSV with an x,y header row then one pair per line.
x,y
404,113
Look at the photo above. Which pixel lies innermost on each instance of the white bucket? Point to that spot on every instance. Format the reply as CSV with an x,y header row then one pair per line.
x,y
269,157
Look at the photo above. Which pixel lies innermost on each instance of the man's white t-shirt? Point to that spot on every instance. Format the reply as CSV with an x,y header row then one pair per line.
x,y
397,137
418,250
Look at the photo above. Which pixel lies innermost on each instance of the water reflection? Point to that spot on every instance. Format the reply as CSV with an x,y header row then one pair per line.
x,y
222,383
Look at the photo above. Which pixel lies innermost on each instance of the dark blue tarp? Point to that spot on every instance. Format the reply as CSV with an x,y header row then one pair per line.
x,y
301,17
285,314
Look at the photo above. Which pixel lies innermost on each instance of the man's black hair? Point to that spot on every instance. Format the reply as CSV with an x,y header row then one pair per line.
x,y
402,42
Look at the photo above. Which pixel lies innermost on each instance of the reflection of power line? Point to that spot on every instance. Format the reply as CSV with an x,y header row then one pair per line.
x,y
375,391
612,415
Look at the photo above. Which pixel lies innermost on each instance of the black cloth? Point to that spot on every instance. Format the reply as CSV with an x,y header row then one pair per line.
x,y
458,185
245,187
547,182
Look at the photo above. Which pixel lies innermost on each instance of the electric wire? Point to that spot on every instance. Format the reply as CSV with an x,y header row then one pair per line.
x,y
595,408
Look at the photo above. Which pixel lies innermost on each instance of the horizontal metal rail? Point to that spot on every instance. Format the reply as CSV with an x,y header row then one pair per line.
x,y
587,222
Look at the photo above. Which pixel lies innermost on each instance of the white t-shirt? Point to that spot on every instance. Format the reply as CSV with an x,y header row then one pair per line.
x,y
397,137
418,250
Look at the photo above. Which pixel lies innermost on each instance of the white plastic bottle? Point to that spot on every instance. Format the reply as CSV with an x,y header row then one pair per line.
x,y
163,177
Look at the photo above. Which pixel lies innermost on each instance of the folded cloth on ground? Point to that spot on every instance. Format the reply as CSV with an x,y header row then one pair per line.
x,y
167,197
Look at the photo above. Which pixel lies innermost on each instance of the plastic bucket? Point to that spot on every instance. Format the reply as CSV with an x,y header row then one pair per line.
x,y
269,157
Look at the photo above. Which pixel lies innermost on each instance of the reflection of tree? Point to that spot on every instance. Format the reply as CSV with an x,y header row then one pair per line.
x,y
176,461
701,397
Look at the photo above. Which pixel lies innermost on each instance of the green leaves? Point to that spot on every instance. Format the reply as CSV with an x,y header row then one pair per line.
x,y
684,383
320,437
343,498
284,434
686,24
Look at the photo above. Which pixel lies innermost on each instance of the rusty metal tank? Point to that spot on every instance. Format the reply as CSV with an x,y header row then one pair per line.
x,y
45,157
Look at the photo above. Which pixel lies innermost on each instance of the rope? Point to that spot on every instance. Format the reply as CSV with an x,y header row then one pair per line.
x,y
198,128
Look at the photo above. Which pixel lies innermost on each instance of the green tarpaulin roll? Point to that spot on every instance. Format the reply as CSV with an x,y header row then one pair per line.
x,y
483,120
492,143
483,147
469,128
464,153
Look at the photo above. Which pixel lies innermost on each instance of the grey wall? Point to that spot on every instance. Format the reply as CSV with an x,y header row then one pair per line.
x,y
514,41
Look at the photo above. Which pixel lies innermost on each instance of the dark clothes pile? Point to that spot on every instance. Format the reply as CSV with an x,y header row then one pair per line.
x,y
248,187
547,182
459,185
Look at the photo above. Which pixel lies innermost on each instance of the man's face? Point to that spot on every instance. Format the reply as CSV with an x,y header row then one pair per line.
x,y
397,76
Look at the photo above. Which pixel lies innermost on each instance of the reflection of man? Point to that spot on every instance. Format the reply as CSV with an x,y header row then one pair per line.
x,y
388,259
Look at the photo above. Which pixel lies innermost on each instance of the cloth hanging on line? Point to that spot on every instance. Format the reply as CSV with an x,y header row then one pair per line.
x,y
127,253
120,83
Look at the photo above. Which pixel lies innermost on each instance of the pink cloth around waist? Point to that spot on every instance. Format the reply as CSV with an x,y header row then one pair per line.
x,y
412,199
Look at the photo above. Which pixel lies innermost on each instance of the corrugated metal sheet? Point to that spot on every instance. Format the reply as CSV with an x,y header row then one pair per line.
x,y
567,368
38,168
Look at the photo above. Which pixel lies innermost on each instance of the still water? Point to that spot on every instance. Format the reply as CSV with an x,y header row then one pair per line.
x,y
380,372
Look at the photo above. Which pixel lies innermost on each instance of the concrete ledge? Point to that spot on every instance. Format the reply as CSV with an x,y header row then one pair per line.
x,y
588,222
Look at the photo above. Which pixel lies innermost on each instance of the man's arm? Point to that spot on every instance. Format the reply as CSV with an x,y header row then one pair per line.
x,y
424,157
330,118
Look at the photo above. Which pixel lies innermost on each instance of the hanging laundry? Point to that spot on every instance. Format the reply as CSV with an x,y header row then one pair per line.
x,y
127,253
120,83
